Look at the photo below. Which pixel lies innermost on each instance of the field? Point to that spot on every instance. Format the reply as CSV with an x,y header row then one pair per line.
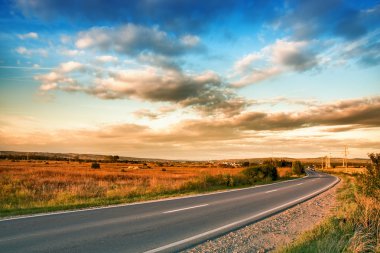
x,y
349,170
38,186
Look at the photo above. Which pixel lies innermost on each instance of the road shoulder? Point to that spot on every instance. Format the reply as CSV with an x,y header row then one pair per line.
x,y
276,231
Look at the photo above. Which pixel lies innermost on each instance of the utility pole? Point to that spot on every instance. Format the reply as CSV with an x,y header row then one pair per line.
x,y
345,157
330,160
328,164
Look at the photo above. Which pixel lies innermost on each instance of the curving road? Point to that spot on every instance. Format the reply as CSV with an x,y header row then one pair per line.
x,y
156,226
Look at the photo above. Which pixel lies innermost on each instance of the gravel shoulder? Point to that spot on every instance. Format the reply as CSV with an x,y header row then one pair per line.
x,y
276,231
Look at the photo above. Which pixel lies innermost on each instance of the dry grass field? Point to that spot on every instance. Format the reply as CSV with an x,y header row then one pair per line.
x,y
349,170
28,185
36,186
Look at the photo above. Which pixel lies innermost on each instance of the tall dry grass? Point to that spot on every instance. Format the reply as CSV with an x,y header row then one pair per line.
x,y
36,184
354,227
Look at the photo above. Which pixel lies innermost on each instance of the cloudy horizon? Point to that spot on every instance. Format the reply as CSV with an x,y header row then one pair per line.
x,y
189,79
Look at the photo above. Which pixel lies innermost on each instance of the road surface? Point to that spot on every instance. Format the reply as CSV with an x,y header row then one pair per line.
x,y
157,226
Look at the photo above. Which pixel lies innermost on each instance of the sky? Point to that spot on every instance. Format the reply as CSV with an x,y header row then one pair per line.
x,y
190,79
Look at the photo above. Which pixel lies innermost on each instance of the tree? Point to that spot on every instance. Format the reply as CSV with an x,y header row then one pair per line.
x,y
245,164
297,168
370,181
95,165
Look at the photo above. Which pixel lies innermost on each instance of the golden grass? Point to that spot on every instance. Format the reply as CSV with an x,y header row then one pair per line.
x,y
349,170
354,226
284,171
39,184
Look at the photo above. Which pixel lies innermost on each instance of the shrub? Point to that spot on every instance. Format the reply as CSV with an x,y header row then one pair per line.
x,y
95,165
163,169
245,164
369,182
258,173
297,168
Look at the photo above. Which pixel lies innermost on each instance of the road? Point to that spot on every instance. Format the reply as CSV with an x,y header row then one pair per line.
x,y
157,226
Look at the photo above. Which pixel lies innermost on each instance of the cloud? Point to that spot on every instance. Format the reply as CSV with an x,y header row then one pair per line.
x,y
292,101
107,59
31,35
295,55
358,112
315,19
244,64
58,79
159,61
256,133
159,113
132,39
366,51
23,51
145,113
205,92
214,138
257,75
273,60
71,52
70,66
28,52
190,40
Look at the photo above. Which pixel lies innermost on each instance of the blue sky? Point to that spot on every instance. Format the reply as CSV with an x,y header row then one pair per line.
x,y
190,79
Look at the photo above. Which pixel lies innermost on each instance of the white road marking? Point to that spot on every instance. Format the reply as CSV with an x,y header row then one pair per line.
x,y
299,184
186,208
271,191
189,239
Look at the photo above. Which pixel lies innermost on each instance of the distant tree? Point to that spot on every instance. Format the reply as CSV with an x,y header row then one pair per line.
x,y
269,162
260,173
245,164
297,168
95,165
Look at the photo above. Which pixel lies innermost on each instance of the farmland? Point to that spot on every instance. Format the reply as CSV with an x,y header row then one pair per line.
x,y
39,186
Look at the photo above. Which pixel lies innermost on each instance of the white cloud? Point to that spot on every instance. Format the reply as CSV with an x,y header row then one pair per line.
x,y
71,53
244,63
292,54
23,51
59,79
190,40
65,39
273,60
107,58
133,39
257,75
204,92
70,66
28,52
31,35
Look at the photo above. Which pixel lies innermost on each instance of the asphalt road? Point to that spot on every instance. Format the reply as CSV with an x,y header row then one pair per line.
x,y
157,226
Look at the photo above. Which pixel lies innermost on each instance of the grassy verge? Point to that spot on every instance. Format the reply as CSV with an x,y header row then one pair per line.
x,y
355,226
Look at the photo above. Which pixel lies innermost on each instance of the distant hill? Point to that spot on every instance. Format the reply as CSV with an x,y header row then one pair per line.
x,y
96,157
67,156
317,160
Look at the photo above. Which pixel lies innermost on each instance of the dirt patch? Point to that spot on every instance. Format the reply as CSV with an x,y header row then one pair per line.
x,y
276,231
